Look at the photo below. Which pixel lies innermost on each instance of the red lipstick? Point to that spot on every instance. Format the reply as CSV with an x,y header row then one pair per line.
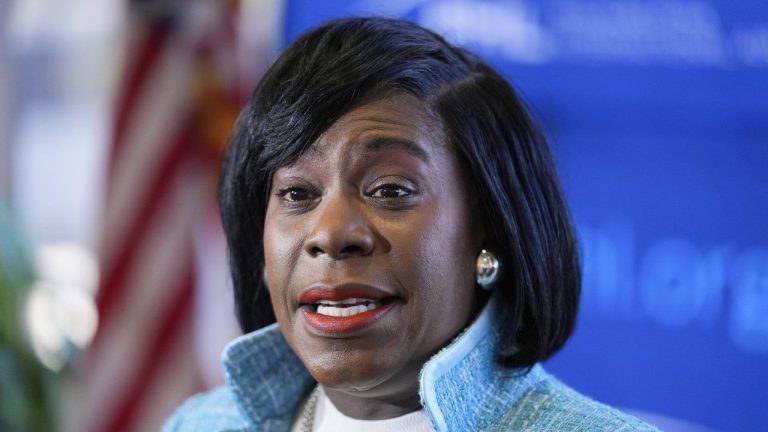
x,y
335,301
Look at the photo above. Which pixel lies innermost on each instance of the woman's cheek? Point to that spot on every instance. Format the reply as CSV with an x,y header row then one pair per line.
x,y
277,267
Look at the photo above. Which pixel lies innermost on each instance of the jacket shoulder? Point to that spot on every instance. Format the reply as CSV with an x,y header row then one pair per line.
x,y
214,410
551,405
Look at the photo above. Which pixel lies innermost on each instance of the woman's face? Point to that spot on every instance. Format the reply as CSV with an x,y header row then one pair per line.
x,y
370,244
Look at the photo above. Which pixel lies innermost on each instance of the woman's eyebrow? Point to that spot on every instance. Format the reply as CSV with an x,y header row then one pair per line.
x,y
383,143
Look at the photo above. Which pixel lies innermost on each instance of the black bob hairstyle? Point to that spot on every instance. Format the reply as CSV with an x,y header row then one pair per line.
x,y
344,63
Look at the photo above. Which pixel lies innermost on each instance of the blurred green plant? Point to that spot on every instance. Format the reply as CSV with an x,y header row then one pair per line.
x,y
27,388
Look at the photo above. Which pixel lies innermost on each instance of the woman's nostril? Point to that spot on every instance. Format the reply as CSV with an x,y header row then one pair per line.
x,y
352,250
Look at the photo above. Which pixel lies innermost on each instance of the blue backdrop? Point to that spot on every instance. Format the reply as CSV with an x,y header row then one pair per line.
x,y
657,112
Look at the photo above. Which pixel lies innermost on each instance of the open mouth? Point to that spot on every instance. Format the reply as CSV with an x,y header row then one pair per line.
x,y
347,307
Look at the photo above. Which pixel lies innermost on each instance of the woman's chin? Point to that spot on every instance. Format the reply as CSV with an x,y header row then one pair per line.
x,y
349,371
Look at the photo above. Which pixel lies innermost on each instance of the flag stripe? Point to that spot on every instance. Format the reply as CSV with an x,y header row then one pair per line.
x,y
143,58
160,112
114,282
177,318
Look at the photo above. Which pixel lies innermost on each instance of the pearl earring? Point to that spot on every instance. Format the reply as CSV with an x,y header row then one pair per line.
x,y
487,269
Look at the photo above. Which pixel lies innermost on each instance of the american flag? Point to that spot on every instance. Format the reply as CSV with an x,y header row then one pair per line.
x,y
178,97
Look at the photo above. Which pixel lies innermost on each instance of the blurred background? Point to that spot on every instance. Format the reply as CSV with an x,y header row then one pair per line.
x,y
114,294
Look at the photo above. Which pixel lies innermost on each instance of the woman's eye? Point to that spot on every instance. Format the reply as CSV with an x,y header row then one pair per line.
x,y
294,194
391,191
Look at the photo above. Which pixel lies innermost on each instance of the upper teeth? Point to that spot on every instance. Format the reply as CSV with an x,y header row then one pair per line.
x,y
330,308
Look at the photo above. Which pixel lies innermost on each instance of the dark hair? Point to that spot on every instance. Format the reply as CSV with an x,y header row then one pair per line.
x,y
344,63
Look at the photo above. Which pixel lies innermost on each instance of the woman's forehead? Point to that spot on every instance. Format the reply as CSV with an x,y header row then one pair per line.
x,y
400,122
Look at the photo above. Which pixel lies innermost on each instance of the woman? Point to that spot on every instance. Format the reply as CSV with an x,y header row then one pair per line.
x,y
389,202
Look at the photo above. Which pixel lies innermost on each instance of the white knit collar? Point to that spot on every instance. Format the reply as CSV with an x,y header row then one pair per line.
x,y
329,418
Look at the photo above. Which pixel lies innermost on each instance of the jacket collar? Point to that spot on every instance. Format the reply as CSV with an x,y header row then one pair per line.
x,y
460,387
267,380
463,387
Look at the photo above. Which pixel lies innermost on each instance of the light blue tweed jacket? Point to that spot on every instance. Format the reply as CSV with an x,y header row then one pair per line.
x,y
461,388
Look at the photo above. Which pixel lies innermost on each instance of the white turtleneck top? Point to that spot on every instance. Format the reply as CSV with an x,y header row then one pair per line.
x,y
329,419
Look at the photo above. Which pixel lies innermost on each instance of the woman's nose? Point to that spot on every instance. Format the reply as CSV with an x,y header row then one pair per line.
x,y
341,231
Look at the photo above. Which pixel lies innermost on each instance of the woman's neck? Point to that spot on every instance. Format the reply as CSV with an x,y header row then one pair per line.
x,y
365,407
